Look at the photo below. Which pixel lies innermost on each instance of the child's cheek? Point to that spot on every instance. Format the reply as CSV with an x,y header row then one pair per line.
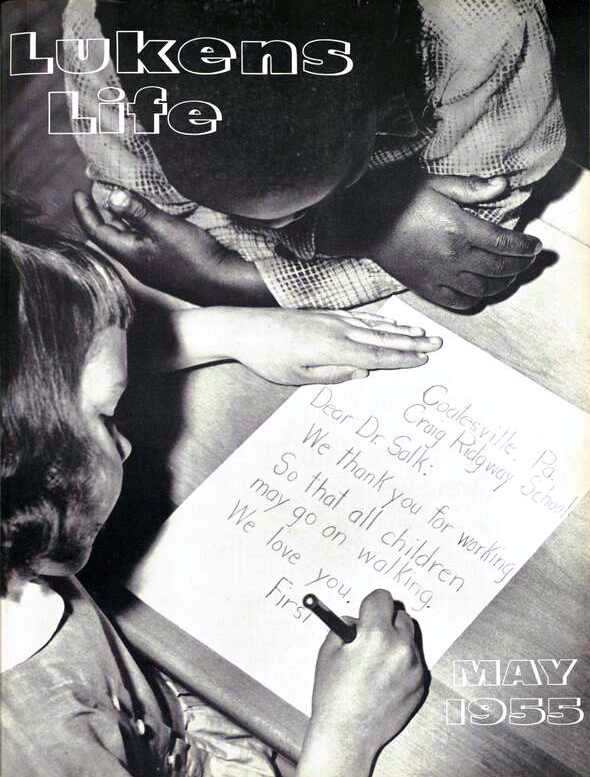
x,y
106,485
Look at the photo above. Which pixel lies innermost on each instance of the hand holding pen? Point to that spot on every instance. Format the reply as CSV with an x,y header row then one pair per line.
x,y
367,689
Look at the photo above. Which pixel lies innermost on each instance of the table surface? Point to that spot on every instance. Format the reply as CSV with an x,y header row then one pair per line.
x,y
541,330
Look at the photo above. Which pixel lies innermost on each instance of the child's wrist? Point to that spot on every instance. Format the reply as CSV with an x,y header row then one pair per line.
x,y
207,334
329,752
237,332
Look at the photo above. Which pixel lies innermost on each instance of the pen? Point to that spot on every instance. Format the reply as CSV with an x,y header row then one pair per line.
x,y
346,631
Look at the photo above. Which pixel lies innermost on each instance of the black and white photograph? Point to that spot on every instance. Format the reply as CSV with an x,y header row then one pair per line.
x,y
295,356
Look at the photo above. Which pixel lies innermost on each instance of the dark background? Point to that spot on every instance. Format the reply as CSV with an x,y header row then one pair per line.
x,y
569,24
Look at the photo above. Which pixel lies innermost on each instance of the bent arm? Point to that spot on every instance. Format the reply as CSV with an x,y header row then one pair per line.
x,y
229,281
167,339
169,334
495,107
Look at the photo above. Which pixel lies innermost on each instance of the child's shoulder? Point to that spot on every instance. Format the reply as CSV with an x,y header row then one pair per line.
x,y
466,42
54,668
458,23
54,724
475,12
28,622
82,656
81,692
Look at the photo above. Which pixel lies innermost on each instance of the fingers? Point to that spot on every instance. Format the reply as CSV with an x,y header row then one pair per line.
x,y
114,221
497,240
376,611
334,374
333,642
378,358
389,338
364,316
493,265
372,321
468,190
451,299
404,624
379,612
137,210
360,318
478,287
351,345
484,274
380,349
168,232
363,350
379,331
110,237
87,213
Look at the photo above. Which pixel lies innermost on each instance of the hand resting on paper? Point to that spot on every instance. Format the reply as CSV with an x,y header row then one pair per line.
x,y
291,347
365,691
296,347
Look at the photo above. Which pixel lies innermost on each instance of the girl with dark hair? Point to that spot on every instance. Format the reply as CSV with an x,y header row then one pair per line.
x,y
48,451
75,699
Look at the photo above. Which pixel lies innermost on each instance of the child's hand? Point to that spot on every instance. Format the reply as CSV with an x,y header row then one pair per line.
x,y
425,239
450,256
295,347
365,691
169,253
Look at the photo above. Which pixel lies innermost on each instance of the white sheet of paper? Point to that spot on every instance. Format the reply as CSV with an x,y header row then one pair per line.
x,y
437,483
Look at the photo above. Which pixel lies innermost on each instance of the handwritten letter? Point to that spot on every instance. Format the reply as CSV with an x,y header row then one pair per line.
x,y
436,483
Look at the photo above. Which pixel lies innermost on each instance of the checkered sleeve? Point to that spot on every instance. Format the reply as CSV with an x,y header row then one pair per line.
x,y
325,282
295,275
300,277
488,73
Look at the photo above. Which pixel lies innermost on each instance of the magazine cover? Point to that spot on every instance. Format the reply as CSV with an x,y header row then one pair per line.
x,y
295,372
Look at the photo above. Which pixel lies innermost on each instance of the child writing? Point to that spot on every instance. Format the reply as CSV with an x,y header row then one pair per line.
x,y
408,171
75,699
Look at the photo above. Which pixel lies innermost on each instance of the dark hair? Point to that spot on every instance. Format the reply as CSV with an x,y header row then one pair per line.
x,y
56,296
274,127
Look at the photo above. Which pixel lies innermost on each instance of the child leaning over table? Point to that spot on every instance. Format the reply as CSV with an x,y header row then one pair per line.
x,y
76,701
336,191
